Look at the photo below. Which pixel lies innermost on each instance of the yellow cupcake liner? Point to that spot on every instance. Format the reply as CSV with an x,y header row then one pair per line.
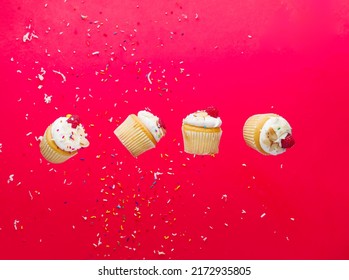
x,y
51,152
201,141
135,136
252,129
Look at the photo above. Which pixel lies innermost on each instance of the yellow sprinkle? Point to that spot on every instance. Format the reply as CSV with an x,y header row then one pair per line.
x,y
121,227
93,217
166,237
177,188
107,212
102,179
68,116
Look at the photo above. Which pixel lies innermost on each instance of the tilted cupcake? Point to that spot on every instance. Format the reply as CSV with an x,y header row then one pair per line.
x,y
269,134
63,138
202,132
140,133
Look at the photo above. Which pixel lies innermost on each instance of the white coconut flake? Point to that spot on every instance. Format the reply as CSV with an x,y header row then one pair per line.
x,y
263,215
10,178
15,222
148,77
41,74
62,75
29,36
156,175
47,98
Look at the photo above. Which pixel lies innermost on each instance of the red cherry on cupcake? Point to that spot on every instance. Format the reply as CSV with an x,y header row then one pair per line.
x,y
74,120
161,124
212,111
288,142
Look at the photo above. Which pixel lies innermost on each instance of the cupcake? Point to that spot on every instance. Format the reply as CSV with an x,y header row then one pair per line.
x,y
269,134
140,133
63,138
202,132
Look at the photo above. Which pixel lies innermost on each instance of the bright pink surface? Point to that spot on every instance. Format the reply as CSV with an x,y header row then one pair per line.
x,y
245,57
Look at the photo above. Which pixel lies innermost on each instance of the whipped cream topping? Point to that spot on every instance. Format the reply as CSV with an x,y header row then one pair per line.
x,y
68,138
152,123
202,119
273,131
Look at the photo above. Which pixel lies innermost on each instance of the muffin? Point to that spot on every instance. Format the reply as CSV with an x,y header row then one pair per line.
x,y
63,138
202,132
269,134
140,133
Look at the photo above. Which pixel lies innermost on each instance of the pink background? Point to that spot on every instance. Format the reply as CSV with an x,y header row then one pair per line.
x,y
244,57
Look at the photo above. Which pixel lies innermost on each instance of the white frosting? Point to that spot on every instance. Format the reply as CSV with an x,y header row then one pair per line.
x,y
271,144
202,119
151,122
68,138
